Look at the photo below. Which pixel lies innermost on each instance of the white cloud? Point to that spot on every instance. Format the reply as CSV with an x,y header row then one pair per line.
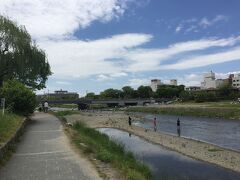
x,y
204,60
178,28
58,18
102,77
118,55
150,59
136,82
206,22
194,24
54,22
75,58
63,83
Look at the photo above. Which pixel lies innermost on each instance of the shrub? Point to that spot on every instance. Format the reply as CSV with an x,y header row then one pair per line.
x,y
19,98
186,96
205,97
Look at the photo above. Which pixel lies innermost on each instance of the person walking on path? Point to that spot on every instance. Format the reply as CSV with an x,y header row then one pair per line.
x,y
155,124
46,107
178,127
129,121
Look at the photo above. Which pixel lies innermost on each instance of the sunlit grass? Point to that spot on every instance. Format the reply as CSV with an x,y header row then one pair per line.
x,y
9,123
108,151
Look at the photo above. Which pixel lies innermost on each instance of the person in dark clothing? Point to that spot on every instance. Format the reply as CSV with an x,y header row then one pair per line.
x,y
155,124
129,121
178,127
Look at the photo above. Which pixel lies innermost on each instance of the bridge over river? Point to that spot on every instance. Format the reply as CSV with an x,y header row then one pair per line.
x,y
84,103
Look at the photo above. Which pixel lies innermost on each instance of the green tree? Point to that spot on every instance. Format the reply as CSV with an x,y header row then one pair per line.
x,y
145,92
128,92
168,91
111,93
186,96
224,91
20,58
19,98
91,95
203,96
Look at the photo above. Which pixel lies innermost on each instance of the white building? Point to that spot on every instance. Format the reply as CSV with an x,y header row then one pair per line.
x,y
173,82
236,81
155,83
209,81
192,88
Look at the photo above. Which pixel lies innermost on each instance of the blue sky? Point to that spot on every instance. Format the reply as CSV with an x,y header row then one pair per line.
x,y
97,44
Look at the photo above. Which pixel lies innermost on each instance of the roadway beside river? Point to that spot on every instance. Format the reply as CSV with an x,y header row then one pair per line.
x,y
196,149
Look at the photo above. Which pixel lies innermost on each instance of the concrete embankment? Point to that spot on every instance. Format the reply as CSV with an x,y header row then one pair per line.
x,y
196,149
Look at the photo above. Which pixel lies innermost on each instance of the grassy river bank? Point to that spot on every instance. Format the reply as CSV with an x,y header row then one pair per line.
x,y
212,110
9,123
93,143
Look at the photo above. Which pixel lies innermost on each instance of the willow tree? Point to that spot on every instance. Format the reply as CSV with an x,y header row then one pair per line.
x,y
20,58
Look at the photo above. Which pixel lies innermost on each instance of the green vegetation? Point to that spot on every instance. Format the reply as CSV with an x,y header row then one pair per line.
x,y
65,105
103,148
9,123
212,112
127,92
108,151
19,99
214,150
61,114
20,57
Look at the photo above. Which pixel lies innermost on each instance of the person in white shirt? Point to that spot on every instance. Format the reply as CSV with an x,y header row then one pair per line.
x,y
46,107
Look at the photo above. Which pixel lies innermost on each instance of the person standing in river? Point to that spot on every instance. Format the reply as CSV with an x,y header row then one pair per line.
x,y
178,127
129,121
155,124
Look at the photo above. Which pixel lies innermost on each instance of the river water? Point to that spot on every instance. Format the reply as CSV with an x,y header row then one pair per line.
x,y
222,132
166,163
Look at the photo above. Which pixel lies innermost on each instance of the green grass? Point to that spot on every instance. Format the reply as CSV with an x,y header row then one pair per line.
x,y
212,112
66,105
65,113
108,151
9,123
214,150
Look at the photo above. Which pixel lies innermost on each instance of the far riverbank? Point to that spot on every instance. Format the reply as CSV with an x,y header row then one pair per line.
x,y
211,110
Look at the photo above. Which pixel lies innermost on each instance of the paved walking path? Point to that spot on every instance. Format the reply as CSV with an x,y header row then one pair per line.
x,y
45,153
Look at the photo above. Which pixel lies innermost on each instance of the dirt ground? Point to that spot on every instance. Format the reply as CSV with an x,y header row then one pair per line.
x,y
192,148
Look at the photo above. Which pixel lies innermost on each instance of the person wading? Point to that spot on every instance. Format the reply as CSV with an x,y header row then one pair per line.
x,y
155,124
178,127
129,121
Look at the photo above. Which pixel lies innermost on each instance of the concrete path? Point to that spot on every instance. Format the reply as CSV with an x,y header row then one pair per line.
x,y
44,153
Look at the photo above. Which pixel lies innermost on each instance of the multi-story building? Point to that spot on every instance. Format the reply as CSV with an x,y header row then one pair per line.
x,y
173,82
208,81
193,88
59,95
155,83
236,81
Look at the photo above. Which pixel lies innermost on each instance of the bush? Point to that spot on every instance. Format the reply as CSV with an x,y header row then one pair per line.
x,y
205,97
186,96
19,98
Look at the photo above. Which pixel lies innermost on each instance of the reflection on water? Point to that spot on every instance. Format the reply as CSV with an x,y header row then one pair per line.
x,y
225,133
164,162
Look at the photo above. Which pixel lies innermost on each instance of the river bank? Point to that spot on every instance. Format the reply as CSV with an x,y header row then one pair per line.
x,y
196,149
210,110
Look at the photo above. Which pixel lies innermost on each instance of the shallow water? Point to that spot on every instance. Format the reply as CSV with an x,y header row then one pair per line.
x,y
164,162
222,132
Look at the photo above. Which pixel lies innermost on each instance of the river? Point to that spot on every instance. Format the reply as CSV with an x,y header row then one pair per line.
x,y
222,132
167,163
